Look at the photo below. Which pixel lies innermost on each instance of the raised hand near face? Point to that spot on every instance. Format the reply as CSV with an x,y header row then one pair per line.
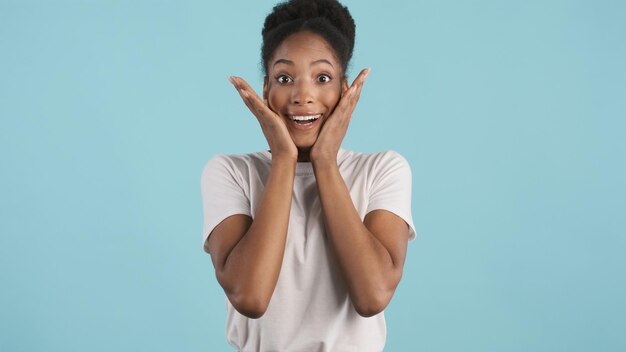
x,y
332,133
273,126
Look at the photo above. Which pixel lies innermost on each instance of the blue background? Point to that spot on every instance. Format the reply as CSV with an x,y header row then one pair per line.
x,y
511,114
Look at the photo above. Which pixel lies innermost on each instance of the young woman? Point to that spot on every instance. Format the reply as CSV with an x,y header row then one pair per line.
x,y
308,240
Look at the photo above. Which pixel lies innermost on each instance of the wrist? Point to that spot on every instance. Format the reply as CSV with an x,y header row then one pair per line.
x,y
325,162
324,157
284,160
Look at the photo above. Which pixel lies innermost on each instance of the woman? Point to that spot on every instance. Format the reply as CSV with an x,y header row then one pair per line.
x,y
308,240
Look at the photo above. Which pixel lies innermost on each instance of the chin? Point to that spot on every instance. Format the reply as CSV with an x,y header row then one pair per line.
x,y
304,143
304,147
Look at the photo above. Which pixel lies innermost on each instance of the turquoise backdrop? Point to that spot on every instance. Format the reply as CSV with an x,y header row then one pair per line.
x,y
511,114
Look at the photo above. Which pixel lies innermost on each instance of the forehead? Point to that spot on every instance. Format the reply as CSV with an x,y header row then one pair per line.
x,y
303,48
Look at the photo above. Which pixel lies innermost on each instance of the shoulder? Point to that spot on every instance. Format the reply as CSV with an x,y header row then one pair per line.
x,y
235,163
377,161
390,157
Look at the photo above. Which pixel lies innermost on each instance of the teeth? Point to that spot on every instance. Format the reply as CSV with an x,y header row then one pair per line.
x,y
305,118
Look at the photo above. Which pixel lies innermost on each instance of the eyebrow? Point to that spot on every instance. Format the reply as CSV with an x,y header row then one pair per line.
x,y
290,63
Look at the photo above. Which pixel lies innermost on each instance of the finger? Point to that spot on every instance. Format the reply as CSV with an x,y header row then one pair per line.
x,y
345,105
354,91
242,85
245,96
360,79
246,99
260,105
348,102
250,98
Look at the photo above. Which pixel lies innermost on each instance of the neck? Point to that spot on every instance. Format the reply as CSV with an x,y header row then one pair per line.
x,y
303,155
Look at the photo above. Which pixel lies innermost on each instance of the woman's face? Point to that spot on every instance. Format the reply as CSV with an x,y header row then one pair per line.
x,y
303,85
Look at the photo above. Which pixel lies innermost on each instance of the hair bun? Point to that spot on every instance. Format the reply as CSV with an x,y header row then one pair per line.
x,y
335,13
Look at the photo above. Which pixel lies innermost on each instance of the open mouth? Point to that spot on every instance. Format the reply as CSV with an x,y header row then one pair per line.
x,y
304,120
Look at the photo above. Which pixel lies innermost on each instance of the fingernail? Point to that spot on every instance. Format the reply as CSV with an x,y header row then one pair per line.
x,y
231,79
369,69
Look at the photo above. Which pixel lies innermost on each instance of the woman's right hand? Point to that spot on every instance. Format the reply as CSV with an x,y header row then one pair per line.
x,y
274,128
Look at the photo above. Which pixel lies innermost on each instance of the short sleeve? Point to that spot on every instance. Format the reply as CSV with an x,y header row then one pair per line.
x,y
390,187
223,193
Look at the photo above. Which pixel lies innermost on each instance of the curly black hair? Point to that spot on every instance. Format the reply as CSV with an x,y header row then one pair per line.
x,y
327,18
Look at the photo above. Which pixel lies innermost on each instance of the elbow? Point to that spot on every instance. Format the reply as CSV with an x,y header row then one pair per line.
x,y
248,301
373,300
249,305
369,311
372,304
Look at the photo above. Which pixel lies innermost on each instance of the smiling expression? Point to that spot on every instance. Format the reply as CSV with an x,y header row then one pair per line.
x,y
303,85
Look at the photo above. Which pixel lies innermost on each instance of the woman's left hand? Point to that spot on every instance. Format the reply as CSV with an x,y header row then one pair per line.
x,y
329,140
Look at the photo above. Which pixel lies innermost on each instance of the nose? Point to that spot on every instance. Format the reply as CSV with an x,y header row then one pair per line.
x,y
302,93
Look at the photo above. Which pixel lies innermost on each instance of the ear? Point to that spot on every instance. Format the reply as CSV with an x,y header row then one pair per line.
x,y
344,85
265,87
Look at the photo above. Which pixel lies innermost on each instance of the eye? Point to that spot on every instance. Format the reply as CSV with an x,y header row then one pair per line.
x,y
324,78
283,79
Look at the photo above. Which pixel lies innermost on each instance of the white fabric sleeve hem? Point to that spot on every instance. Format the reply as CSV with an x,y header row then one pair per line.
x,y
223,193
397,212
211,224
391,187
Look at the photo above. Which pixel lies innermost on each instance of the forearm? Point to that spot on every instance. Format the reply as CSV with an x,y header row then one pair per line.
x,y
364,262
254,263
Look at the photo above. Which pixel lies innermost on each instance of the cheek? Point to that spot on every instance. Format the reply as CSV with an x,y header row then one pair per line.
x,y
331,97
276,99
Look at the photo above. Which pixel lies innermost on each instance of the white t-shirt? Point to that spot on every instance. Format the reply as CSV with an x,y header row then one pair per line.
x,y
310,309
